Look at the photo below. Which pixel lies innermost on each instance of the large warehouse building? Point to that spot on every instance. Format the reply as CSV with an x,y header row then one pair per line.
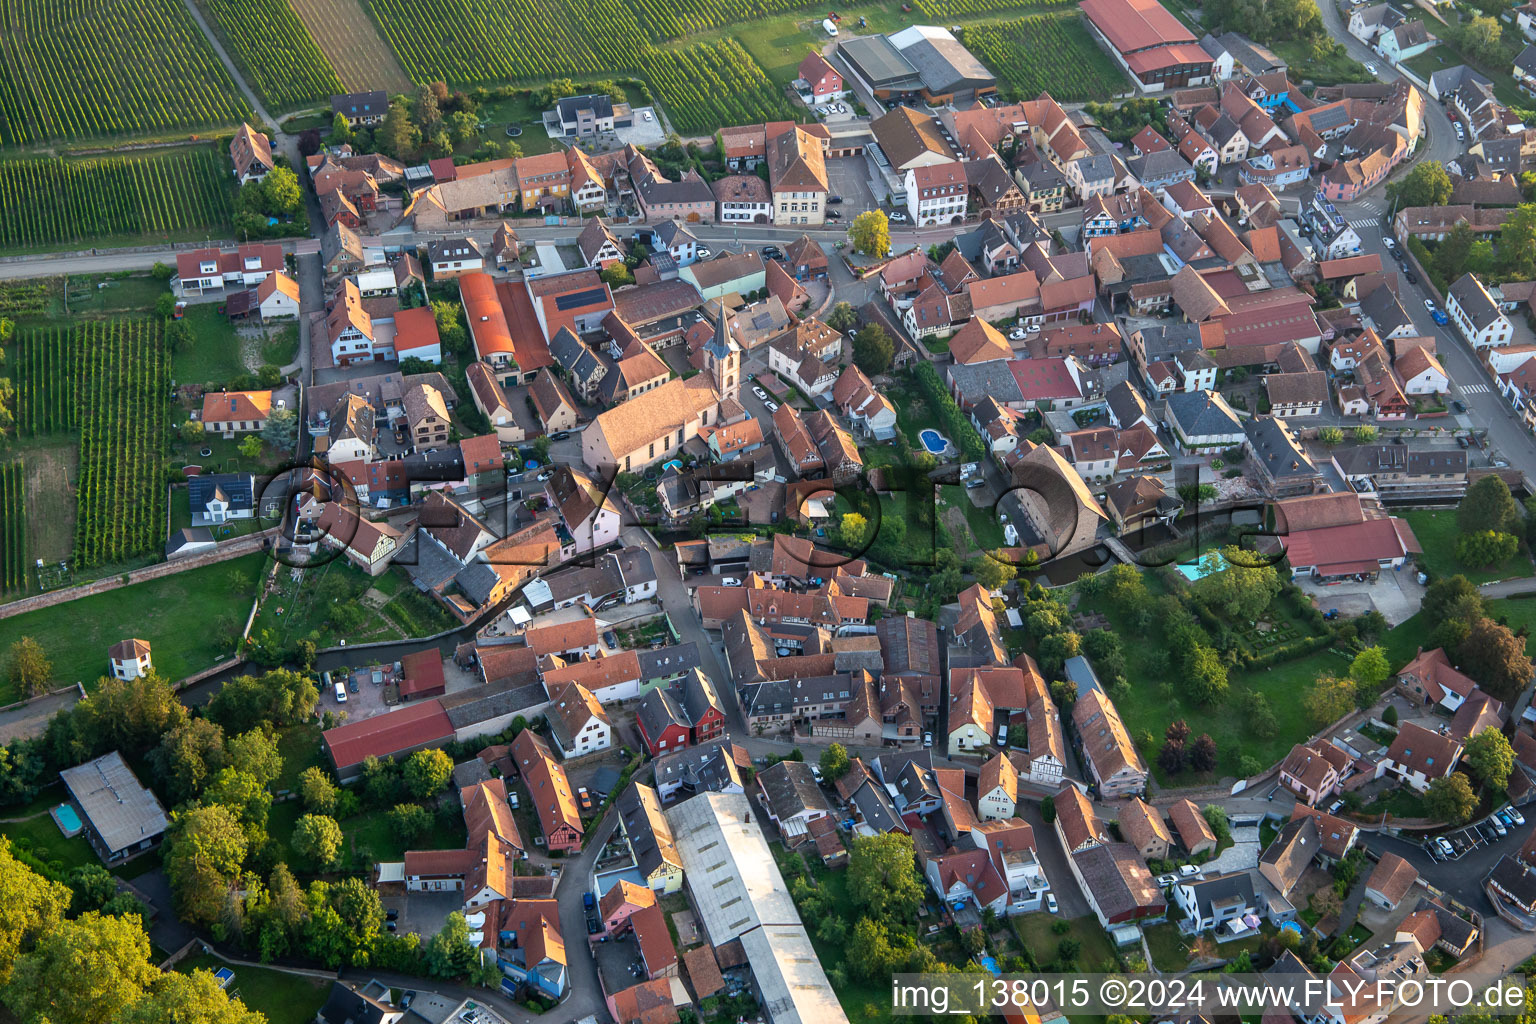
x,y
740,895
922,61
1149,42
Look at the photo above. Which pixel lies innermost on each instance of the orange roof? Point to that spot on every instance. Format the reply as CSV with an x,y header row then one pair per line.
x,y
223,406
415,329
482,309
548,786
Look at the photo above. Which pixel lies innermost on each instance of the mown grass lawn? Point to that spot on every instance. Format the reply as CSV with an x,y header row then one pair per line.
x,y
214,355
1516,613
1156,700
1437,532
42,837
175,614
1036,933
283,998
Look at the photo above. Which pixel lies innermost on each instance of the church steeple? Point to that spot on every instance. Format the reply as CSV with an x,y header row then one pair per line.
x,y
723,356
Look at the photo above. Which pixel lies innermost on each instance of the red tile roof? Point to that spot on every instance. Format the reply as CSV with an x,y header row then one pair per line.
x,y
418,725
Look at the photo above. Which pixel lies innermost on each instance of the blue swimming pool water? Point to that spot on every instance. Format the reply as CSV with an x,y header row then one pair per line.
x,y
672,464
1208,565
934,441
68,818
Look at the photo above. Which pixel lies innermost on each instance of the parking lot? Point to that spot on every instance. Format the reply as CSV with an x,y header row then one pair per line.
x,y
1486,831
849,178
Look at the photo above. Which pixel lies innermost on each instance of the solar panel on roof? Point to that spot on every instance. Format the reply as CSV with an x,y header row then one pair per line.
x,y
574,300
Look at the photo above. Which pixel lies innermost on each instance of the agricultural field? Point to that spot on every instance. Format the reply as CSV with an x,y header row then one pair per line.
x,y
46,366
184,193
1047,53
948,10
356,50
277,56
13,527
709,85
120,503
702,86
108,67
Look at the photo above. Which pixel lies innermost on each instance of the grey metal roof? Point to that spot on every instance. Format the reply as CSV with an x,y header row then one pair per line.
x,y
120,810
876,808
1475,301
705,768
670,660
791,789
878,62
946,66
1276,450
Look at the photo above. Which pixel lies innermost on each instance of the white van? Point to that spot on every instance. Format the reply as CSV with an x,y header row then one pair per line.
x,y
829,26
341,693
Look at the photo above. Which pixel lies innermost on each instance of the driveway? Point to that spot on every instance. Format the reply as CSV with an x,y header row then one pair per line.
x,y
1397,595
849,178
1053,861
1242,855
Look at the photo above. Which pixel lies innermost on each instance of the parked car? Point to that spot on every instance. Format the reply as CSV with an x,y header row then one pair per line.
x,y
1497,826
1188,870
588,901
1050,902
771,406
703,252
1390,243
1506,818
834,200
1462,443
927,739
834,215
1370,69
1458,405
1519,819
760,393
1429,304
560,435
1439,317
341,693
593,927
729,581
392,914
897,217
547,475
1164,881
974,483
772,252
1411,276
1445,847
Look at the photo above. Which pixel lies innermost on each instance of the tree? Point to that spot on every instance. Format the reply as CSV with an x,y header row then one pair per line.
x,y
994,570
202,854
1490,757
449,953
281,190
1202,754
250,446
869,954
1331,436
882,881
83,971
1517,243
1450,798
842,318
870,233
853,529
188,755
409,820
1496,658
317,838
1486,547
1206,679
1177,731
1329,699
31,907
165,306
1241,591
341,129
190,431
427,772
1364,434
278,697
1481,38
1258,715
196,998
255,752
1172,757
1426,185
1452,597
873,349
1488,505
91,887
246,798
29,669
1370,666
317,790
1216,817
834,762
397,137
282,429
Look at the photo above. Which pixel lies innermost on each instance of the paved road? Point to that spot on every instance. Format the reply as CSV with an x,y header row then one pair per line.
x,y
1462,878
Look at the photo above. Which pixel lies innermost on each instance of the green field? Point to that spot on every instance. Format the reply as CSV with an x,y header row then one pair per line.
x,y
109,67
277,56
165,195
214,356
1149,708
175,614
1047,53
283,998
42,838
1437,532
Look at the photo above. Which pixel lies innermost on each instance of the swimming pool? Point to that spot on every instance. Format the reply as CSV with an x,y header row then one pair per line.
x,y
1210,564
672,464
68,820
934,441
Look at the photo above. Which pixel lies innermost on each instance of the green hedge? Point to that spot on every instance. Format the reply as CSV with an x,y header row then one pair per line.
x,y
959,429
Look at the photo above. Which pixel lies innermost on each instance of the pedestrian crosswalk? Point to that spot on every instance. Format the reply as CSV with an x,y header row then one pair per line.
x,y
1365,222
1475,389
